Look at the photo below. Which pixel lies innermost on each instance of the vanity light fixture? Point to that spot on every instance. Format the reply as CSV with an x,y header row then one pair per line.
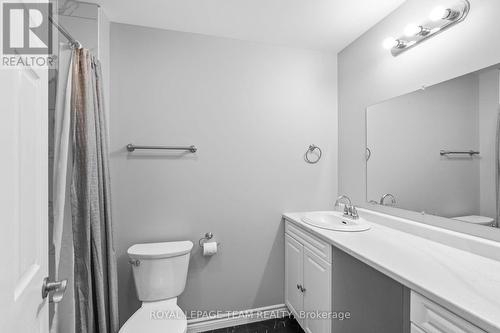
x,y
440,19
412,30
442,13
391,42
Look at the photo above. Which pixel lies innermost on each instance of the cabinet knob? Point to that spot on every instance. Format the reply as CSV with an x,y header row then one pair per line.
x,y
302,289
299,287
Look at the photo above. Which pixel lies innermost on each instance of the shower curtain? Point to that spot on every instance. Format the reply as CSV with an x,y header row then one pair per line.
x,y
94,262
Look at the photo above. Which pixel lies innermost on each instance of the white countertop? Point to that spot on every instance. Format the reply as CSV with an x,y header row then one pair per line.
x,y
463,282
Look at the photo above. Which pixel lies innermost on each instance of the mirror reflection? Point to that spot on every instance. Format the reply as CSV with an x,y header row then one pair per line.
x,y
436,150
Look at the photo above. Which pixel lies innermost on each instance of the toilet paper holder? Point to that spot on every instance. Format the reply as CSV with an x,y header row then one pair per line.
x,y
208,236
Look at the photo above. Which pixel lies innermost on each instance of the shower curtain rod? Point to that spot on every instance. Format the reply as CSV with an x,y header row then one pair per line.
x,y
72,41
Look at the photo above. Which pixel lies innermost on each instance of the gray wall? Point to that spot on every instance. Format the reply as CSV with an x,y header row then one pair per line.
x,y
369,74
252,110
405,135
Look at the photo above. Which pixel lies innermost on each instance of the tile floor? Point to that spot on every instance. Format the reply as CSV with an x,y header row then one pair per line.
x,y
280,325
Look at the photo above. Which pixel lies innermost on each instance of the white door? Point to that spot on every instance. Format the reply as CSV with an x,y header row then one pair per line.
x,y
293,275
317,293
23,197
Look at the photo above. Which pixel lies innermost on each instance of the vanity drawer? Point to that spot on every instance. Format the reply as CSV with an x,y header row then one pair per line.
x,y
313,243
433,318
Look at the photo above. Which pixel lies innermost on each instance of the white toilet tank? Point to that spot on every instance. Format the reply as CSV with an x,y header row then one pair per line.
x,y
160,269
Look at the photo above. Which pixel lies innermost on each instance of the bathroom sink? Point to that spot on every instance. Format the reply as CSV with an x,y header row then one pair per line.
x,y
335,221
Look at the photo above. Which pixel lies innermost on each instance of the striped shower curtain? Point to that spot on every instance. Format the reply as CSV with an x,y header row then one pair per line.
x,y
82,188
95,275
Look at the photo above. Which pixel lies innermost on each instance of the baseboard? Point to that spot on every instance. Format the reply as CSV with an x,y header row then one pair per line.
x,y
236,318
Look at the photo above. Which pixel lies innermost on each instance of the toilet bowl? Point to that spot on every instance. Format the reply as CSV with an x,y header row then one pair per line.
x,y
161,316
475,219
160,272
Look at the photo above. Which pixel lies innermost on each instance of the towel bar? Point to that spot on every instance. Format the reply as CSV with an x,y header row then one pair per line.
x,y
448,152
191,149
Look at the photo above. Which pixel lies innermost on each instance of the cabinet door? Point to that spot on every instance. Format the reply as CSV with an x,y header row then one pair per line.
x,y
317,294
294,252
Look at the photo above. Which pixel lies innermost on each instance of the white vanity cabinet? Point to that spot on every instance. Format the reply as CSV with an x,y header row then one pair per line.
x,y
308,279
429,317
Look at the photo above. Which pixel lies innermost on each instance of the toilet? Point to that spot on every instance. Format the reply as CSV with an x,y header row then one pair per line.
x,y
160,272
475,219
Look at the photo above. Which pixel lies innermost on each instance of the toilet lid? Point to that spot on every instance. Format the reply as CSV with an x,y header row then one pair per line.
x,y
159,319
159,250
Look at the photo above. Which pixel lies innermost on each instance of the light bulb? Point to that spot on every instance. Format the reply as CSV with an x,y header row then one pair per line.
x,y
389,43
413,30
439,13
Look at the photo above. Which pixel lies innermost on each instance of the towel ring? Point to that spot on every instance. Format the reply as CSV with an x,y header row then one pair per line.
x,y
311,149
368,153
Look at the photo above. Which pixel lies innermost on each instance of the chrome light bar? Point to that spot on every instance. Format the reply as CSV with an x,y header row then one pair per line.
x,y
440,19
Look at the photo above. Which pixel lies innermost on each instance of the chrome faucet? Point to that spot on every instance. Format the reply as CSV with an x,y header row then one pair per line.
x,y
385,196
350,210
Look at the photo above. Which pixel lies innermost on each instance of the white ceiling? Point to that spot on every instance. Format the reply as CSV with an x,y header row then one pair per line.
x,y
316,24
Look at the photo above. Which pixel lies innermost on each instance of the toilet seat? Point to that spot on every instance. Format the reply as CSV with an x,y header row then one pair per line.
x,y
157,317
475,219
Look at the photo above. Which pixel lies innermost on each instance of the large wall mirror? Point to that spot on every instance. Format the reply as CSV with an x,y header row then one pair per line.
x,y
435,151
